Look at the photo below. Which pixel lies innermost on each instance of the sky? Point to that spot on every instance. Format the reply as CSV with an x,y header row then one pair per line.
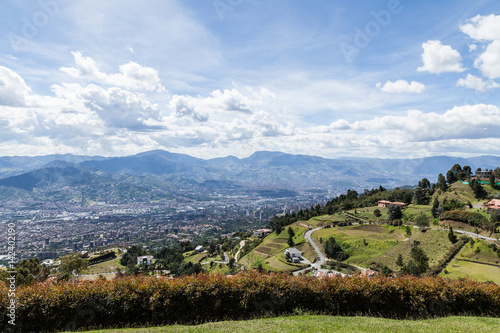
x,y
331,78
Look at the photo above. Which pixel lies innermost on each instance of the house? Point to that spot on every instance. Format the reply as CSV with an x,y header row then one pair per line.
x,y
493,204
261,233
294,254
368,273
385,203
144,260
484,174
199,248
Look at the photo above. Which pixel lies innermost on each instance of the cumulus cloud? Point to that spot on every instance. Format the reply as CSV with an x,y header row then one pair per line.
x,y
226,103
468,122
131,76
474,82
401,86
121,108
13,89
439,58
486,29
185,106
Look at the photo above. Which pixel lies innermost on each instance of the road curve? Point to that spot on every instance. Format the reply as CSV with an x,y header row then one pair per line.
x,y
320,257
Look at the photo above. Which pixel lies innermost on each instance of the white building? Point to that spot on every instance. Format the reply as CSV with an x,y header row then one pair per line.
x,y
144,260
295,255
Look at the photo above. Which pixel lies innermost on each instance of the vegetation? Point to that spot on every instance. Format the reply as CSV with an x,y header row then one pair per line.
x,y
322,323
201,298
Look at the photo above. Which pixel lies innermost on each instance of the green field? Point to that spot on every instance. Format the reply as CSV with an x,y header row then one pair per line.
x,y
370,243
195,257
312,323
478,251
364,243
270,252
105,267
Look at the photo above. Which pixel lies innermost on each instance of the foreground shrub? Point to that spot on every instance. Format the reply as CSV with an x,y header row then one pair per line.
x,y
201,298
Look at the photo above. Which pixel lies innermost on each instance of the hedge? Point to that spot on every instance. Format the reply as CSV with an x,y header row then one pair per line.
x,y
473,218
139,301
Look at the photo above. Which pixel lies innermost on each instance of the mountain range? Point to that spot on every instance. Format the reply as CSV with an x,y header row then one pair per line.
x,y
161,174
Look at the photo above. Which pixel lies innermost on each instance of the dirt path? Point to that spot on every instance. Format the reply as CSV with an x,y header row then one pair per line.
x,y
236,256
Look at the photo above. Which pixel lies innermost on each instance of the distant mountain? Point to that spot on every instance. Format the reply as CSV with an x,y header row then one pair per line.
x,y
161,174
13,165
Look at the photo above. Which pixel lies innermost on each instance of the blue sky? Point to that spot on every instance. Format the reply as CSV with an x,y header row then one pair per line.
x,y
389,79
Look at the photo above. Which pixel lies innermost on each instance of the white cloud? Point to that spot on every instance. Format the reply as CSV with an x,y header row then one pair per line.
x,y
120,108
439,58
185,106
472,47
131,76
474,82
489,61
402,86
13,89
486,29
467,122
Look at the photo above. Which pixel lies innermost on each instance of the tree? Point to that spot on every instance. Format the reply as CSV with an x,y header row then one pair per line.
x,y
476,187
418,196
72,264
492,180
278,228
435,206
418,263
441,182
451,177
28,271
291,233
377,212
467,171
424,183
231,263
451,236
422,221
334,250
399,261
394,212
211,248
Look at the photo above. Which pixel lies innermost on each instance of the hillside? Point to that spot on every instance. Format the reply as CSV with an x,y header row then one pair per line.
x,y
272,174
370,240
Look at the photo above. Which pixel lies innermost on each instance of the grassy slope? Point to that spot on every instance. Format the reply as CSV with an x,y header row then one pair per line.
x,y
270,252
310,323
379,239
194,257
461,269
105,267
385,243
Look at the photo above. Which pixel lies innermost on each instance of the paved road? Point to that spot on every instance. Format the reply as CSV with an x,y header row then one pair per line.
x,y
472,234
320,257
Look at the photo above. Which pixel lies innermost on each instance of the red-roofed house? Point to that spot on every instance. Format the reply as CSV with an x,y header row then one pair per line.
x,y
493,204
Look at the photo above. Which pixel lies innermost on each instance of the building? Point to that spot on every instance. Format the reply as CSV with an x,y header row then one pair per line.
x,y
199,248
261,233
385,203
144,260
484,174
295,255
493,205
